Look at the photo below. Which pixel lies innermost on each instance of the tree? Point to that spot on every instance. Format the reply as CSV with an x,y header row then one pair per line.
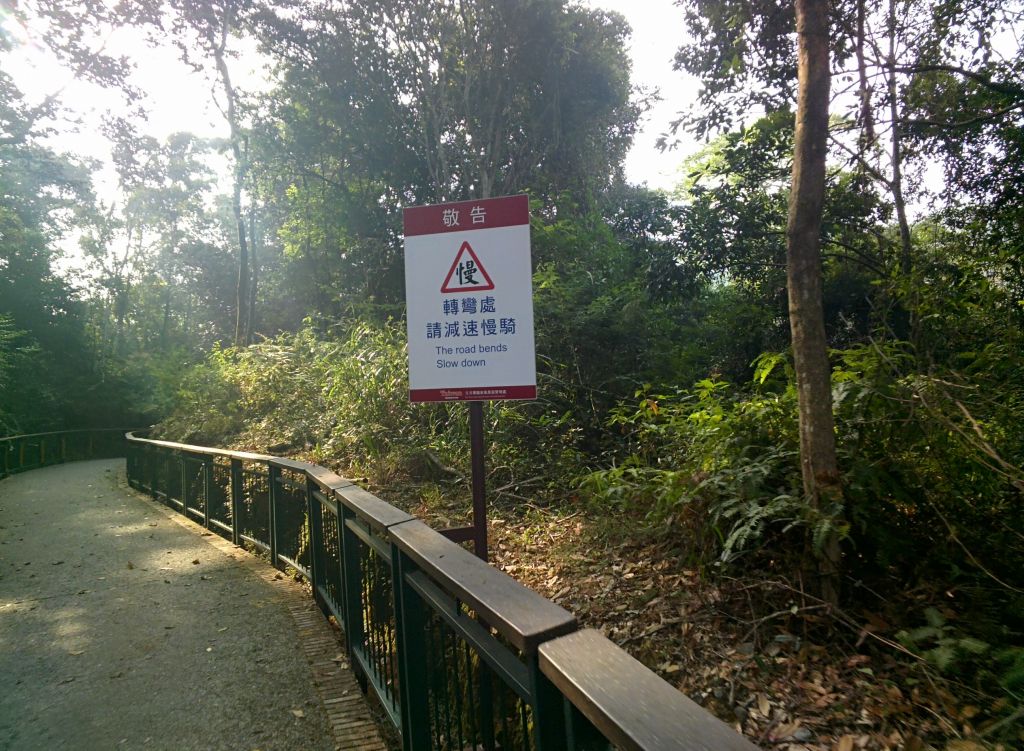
x,y
915,79
201,30
167,247
46,195
819,467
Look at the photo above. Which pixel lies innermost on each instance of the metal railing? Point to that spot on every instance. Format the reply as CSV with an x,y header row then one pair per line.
x,y
460,655
20,453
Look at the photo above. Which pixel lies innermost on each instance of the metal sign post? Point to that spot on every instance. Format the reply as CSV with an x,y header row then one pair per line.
x,y
469,305
476,457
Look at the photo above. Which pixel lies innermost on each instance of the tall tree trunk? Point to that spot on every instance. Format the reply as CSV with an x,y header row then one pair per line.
x,y
250,322
242,288
903,321
906,259
803,261
867,135
167,319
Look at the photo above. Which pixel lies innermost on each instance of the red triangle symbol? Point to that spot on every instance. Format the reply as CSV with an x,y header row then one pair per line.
x,y
467,274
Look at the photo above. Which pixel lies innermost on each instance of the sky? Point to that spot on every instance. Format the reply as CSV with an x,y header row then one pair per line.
x,y
181,100
657,33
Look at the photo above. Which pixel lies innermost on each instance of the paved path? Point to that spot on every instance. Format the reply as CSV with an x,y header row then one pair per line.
x,y
122,629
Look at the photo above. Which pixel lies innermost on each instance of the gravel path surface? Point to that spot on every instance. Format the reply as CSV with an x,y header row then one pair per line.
x,y
119,629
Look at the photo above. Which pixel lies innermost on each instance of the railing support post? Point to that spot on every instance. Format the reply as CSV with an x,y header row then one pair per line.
x,y
273,493
413,669
549,729
581,735
351,583
154,488
183,462
236,501
316,541
207,489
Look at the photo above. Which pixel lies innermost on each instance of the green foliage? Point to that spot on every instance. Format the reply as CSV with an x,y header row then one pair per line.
x,y
712,466
51,375
940,644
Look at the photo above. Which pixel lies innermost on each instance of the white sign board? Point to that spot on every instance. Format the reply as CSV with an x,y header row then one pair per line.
x,y
469,299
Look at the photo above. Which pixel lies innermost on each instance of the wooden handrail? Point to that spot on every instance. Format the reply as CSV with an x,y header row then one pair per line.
x,y
521,615
631,706
61,432
578,683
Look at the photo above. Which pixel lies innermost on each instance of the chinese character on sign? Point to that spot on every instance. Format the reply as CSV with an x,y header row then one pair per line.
x,y
434,330
451,329
490,327
479,214
487,305
450,217
508,325
469,328
469,305
451,307
468,272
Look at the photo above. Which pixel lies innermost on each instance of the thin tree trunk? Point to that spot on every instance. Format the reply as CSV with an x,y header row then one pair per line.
x,y
167,319
867,120
903,318
899,200
250,323
242,287
818,462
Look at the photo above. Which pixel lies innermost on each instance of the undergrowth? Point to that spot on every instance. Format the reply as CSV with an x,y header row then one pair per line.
x,y
929,471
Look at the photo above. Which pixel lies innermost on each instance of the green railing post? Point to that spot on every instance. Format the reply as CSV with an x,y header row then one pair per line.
x,y
183,461
236,501
413,668
549,728
207,488
485,706
581,735
154,488
316,541
351,584
273,492
63,449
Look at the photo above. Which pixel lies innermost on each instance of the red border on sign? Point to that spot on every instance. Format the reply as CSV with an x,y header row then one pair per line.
x,y
473,394
507,211
480,287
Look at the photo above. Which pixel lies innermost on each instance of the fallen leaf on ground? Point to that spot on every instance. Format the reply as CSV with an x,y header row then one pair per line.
x,y
298,713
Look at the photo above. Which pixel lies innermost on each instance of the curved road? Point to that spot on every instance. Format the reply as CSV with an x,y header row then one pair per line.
x,y
120,629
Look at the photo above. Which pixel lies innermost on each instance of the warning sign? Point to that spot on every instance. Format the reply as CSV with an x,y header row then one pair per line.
x,y
470,329
467,274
